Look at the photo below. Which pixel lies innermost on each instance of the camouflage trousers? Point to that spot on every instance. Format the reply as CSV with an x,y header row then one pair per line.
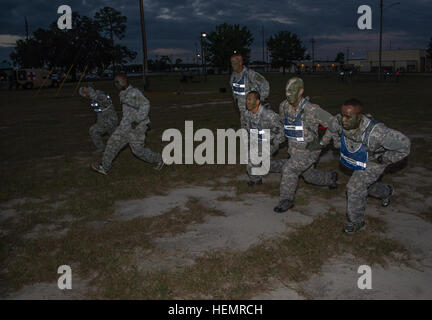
x,y
275,167
301,163
361,184
136,140
99,129
242,110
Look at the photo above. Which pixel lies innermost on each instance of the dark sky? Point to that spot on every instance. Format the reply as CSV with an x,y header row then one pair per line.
x,y
174,26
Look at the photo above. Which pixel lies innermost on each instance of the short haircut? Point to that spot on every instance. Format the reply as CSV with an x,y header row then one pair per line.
x,y
353,102
357,104
237,55
256,94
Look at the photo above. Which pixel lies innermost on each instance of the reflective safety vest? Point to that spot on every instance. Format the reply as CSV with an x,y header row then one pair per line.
x,y
97,107
239,86
259,131
357,159
294,129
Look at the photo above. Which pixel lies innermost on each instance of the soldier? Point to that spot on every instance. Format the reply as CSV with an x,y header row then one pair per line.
x,y
301,121
107,119
244,80
132,128
367,147
258,117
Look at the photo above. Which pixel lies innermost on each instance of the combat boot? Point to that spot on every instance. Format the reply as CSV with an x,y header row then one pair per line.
x,y
98,168
354,227
284,205
386,201
334,177
158,166
254,183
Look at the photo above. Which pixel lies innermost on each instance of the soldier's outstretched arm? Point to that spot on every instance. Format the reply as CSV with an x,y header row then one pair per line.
x,y
323,117
277,130
334,130
397,146
263,85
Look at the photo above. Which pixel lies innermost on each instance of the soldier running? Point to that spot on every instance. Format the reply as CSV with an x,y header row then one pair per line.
x,y
132,128
258,118
244,80
107,119
301,122
367,147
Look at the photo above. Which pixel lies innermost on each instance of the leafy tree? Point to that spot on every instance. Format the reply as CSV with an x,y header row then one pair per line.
x,y
285,47
340,57
83,45
225,40
113,24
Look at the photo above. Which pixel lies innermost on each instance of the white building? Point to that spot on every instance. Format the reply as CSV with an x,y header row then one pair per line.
x,y
416,60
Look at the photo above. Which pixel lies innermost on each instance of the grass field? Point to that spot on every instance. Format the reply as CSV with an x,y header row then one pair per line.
x,y
46,182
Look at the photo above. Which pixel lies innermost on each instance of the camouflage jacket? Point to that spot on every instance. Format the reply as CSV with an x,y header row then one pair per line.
x,y
108,111
391,144
136,107
265,118
312,117
253,82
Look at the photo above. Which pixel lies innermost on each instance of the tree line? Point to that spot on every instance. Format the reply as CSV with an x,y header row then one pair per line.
x,y
91,43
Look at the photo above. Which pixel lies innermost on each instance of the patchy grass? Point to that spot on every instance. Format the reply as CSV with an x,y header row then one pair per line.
x,y
99,250
241,275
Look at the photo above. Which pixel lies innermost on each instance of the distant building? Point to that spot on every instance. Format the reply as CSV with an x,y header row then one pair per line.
x,y
316,66
394,60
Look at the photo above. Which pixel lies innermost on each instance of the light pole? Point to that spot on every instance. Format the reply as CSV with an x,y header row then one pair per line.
x,y
144,44
203,59
313,53
380,37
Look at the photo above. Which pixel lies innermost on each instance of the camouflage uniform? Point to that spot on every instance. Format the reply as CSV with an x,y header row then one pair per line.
x,y
304,154
107,119
265,118
253,81
384,146
132,129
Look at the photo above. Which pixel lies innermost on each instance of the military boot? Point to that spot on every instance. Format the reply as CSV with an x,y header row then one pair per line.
x,y
98,168
386,201
334,177
252,183
284,205
354,227
158,166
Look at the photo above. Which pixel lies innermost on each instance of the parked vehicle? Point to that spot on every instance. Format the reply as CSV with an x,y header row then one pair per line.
x,y
29,78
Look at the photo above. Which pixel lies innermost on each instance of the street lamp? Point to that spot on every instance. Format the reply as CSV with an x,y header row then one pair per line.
x,y
380,44
203,62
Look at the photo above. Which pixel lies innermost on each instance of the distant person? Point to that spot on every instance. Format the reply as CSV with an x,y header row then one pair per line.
x,y
132,128
244,80
106,115
367,147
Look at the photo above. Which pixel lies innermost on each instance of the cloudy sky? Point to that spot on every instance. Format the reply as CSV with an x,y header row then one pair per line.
x,y
174,26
